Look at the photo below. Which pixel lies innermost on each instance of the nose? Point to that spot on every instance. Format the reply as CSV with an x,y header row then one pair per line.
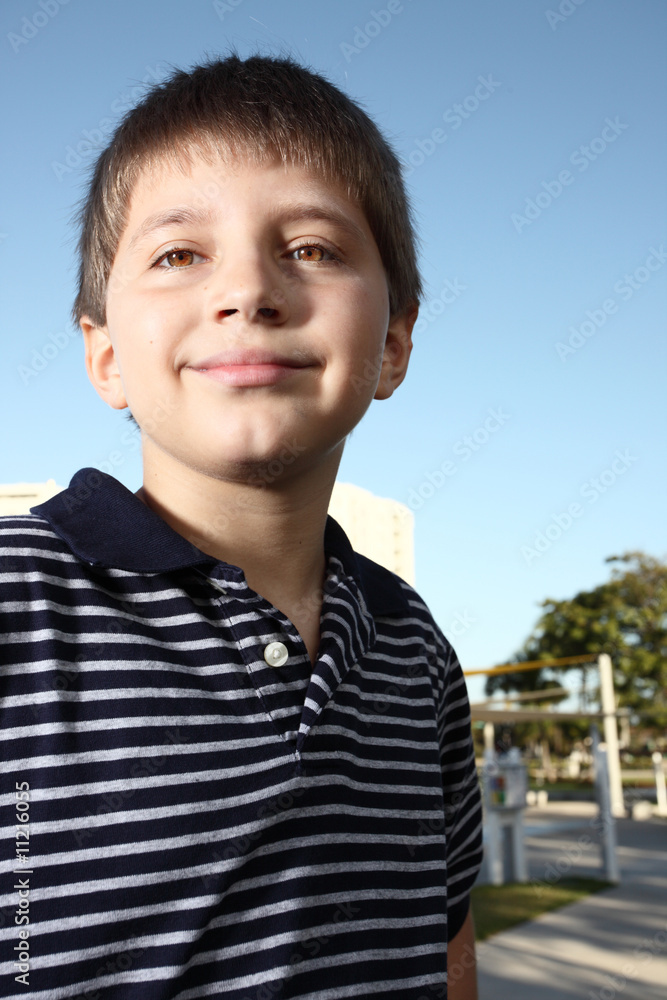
x,y
251,287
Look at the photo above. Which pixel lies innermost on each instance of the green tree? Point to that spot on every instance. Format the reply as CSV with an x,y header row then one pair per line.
x,y
625,617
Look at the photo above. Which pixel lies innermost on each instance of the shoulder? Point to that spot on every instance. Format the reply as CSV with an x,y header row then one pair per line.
x,y
28,540
389,594
20,530
35,568
392,599
411,629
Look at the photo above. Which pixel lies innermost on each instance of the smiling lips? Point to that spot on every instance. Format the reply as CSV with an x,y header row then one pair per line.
x,y
249,368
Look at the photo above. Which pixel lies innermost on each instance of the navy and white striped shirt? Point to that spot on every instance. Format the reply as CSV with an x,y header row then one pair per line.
x,y
200,823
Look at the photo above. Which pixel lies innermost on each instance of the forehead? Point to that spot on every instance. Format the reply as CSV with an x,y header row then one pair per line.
x,y
205,175
197,189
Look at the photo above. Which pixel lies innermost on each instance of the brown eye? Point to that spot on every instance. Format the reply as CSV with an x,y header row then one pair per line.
x,y
315,254
179,258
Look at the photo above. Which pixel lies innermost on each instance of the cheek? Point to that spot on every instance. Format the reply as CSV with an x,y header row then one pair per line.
x,y
143,326
364,309
372,307
367,334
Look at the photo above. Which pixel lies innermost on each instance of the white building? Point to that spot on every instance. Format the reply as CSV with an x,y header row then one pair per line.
x,y
379,528
18,498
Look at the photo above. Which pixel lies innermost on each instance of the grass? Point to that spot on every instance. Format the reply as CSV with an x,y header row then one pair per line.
x,y
562,786
588,786
499,907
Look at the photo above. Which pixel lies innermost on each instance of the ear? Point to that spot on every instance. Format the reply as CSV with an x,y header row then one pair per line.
x,y
101,364
396,354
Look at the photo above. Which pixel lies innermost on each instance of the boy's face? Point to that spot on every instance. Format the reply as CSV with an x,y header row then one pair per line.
x,y
247,318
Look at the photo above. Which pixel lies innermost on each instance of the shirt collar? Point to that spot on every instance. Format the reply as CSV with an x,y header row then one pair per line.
x,y
105,524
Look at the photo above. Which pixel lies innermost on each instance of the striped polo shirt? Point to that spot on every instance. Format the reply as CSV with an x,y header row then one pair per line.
x,y
189,808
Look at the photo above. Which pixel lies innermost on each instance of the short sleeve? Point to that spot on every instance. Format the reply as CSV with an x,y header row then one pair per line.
x,y
461,791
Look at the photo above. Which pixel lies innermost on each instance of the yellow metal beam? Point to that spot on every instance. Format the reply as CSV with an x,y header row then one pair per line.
x,y
511,668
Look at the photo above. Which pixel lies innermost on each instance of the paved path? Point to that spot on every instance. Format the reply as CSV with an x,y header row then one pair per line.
x,y
609,946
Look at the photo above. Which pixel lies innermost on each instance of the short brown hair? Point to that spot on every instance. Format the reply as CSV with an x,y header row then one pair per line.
x,y
259,107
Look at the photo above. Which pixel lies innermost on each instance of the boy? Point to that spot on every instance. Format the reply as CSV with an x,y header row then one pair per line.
x,y
241,752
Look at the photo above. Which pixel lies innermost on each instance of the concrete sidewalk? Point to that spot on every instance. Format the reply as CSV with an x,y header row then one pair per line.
x,y
612,944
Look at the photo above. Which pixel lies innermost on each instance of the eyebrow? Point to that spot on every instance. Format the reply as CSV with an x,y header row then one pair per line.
x,y
318,213
185,216
172,217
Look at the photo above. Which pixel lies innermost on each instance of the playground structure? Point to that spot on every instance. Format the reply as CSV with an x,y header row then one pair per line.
x,y
485,712
660,786
504,779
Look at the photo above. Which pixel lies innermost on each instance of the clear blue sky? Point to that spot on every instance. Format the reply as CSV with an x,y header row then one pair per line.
x,y
537,163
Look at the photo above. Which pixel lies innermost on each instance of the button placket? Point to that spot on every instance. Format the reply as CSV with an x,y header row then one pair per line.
x,y
281,691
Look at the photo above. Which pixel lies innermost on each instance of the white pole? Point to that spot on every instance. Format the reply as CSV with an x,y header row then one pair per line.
x,y
606,820
518,847
494,848
493,834
611,734
660,789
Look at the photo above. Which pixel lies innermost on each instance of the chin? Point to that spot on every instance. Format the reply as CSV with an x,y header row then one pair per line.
x,y
254,471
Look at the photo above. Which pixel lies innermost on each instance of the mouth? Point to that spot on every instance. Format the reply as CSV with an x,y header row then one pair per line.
x,y
250,368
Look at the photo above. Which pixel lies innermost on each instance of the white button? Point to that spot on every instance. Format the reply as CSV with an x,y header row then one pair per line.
x,y
276,654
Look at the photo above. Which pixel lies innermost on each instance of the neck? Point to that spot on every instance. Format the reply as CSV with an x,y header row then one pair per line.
x,y
274,534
